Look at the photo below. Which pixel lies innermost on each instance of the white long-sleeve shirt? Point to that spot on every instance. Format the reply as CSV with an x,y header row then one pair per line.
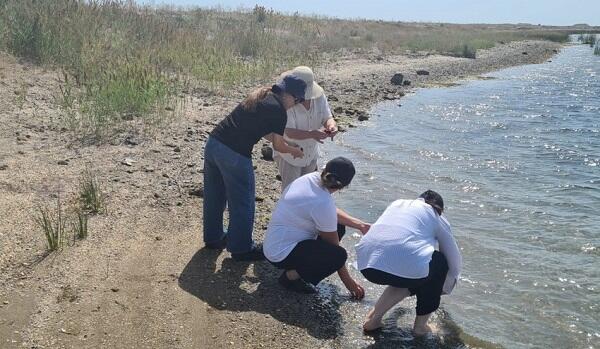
x,y
401,242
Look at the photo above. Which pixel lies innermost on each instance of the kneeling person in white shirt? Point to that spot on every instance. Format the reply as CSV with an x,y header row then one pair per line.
x,y
302,237
399,251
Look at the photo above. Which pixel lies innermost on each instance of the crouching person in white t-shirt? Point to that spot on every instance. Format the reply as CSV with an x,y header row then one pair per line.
x,y
399,251
302,237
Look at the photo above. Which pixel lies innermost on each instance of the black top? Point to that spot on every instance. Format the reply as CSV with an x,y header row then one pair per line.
x,y
242,129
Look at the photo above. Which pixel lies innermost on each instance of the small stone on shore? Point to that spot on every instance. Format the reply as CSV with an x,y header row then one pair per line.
x,y
63,162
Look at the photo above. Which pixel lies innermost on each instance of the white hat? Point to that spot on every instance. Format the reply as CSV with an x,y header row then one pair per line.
x,y
313,90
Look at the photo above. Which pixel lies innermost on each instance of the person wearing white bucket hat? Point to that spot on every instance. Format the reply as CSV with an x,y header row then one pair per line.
x,y
308,124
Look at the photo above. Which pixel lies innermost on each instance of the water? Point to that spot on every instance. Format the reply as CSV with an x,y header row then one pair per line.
x,y
517,159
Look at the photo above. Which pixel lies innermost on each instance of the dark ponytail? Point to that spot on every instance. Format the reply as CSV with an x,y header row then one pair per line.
x,y
330,181
434,200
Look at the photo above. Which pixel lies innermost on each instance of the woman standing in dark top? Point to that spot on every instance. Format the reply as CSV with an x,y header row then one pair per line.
x,y
228,169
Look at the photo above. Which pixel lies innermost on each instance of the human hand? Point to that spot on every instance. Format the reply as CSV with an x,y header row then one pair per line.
x,y
296,152
364,228
356,290
331,131
318,135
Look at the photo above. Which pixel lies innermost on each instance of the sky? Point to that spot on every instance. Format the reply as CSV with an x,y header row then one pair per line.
x,y
546,12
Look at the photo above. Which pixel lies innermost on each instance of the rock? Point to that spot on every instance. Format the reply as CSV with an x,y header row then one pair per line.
x,y
397,79
63,162
206,104
422,72
128,162
406,82
114,289
278,177
198,192
3,167
177,150
259,199
525,53
363,117
157,195
332,98
338,110
350,112
267,153
158,238
169,108
341,128
130,141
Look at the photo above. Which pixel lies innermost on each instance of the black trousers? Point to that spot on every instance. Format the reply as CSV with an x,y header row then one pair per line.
x,y
428,290
314,260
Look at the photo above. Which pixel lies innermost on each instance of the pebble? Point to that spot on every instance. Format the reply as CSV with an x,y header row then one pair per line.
x,y
63,162
3,167
128,162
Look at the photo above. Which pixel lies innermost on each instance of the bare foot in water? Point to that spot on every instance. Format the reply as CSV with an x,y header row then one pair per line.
x,y
372,324
422,330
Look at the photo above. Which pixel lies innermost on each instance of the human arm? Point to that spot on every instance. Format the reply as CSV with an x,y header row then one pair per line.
x,y
450,250
280,145
355,289
295,133
352,222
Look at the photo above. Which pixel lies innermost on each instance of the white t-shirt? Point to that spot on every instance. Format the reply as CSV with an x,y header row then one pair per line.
x,y
304,210
300,118
403,239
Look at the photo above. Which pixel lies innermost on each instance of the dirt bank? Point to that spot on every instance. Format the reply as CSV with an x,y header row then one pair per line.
x,y
142,279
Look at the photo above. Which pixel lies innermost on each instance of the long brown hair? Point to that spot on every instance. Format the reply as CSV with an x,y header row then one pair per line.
x,y
254,97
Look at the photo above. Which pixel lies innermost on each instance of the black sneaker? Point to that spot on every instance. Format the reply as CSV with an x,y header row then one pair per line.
x,y
217,245
255,254
297,285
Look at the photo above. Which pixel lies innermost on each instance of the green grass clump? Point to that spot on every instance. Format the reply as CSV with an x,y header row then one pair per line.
x,y
53,224
80,225
92,199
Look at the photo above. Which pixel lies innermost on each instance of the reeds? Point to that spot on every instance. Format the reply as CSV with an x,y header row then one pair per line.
x,y
52,222
92,200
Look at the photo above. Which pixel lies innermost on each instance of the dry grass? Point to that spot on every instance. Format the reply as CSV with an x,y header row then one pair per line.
x,y
125,61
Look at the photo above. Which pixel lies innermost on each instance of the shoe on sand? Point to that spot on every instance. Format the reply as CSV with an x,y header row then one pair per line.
x,y
255,254
297,285
217,245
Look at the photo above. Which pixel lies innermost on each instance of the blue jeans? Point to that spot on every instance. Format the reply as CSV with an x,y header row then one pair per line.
x,y
228,179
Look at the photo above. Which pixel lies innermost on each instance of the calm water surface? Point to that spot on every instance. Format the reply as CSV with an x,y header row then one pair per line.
x,y
517,159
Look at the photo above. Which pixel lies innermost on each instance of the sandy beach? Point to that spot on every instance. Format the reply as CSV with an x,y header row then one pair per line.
x,y
142,278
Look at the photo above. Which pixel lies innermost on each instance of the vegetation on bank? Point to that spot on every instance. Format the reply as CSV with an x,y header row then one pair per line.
x,y
58,222
123,61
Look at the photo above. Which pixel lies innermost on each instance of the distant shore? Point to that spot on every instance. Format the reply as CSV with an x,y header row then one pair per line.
x,y
141,278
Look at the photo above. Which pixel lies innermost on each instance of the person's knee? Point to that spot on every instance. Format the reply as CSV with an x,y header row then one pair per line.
x,y
340,256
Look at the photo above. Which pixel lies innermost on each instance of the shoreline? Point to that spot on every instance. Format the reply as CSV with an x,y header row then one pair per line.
x,y
122,287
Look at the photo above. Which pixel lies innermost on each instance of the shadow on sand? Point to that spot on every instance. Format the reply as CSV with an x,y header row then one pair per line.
x,y
230,288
